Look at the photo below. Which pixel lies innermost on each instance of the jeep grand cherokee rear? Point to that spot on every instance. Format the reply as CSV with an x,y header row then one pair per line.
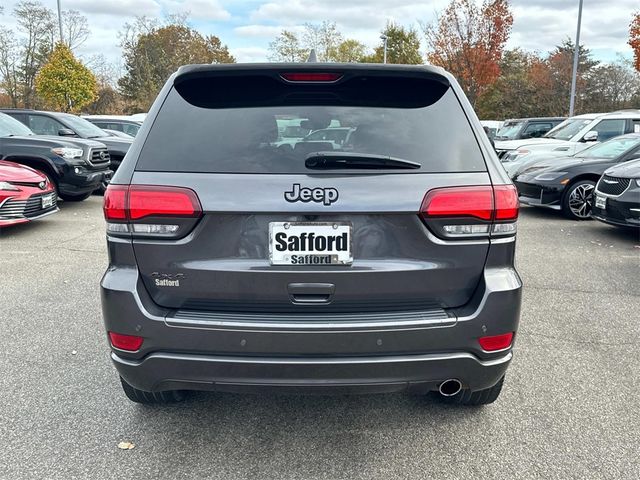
x,y
238,263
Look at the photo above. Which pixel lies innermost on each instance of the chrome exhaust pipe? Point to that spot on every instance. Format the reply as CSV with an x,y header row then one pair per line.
x,y
450,387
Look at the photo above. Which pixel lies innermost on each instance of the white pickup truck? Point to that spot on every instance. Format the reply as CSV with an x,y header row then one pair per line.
x,y
570,137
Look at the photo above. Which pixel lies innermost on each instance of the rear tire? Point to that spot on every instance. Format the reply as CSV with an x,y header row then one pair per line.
x,y
151,398
577,200
474,399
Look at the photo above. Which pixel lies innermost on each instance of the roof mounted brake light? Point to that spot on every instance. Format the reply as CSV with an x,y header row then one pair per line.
x,y
316,77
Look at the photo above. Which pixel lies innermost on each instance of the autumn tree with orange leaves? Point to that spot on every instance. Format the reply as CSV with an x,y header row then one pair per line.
x,y
468,40
634,39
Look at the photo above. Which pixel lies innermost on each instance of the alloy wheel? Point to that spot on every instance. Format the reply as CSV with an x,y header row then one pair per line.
x,y
580,200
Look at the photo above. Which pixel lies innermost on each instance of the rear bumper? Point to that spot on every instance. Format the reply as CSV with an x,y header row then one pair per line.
x,y
165,371
353,353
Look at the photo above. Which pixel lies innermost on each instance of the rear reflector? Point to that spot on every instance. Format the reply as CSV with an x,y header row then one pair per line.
x,y
130,343
459,202
311,77
496,342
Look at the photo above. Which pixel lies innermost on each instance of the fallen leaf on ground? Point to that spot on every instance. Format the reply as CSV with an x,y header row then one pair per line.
x,y
125,445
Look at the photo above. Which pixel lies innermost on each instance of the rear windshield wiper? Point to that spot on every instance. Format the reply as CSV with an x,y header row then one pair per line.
x,y
353,160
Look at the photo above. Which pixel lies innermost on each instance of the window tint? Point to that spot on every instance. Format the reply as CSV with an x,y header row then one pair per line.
x,y
129,128
612,149
567,129
42,125
509,131
11,126
609,128
246,139
535,130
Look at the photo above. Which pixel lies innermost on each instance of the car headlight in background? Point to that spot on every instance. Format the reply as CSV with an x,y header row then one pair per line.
x,y
638,181
9,187
68,153
549,176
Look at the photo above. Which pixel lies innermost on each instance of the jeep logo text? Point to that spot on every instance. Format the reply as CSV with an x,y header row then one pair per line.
x,y
298,194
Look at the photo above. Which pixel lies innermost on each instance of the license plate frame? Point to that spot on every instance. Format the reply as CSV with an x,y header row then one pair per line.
x,y
601,202
340,255
47,200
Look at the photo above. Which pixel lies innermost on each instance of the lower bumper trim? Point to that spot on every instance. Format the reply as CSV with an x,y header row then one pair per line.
x,y
169,371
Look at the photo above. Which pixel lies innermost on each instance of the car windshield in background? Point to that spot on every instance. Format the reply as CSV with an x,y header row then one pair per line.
x,y
246,140
9,126
509,131
567,129
83,127
611,149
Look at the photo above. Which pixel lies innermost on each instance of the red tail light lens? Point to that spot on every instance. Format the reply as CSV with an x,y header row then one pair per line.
x,y
459,202
115,202
496,342
130,343
150,210
147,201
311,77
507,203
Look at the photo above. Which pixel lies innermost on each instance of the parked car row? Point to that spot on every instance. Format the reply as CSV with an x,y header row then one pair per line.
x,y
49,155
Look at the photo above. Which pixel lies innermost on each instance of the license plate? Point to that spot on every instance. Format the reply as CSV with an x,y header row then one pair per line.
x,y
302,243
47,201
601,202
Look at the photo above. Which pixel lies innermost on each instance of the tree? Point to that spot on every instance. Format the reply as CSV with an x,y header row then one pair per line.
x,y
75,28
469,41
36,23
403,46
286,47
612,86
512,95
64,83
108,100
324,38
152,53
9,66
634,39
348,51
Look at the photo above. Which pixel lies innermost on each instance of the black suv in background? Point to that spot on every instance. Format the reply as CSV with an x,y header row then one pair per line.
x,y
77,167
384,263
68,125
518,128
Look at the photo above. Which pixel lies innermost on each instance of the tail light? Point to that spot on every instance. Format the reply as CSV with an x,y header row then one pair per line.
x,y
150,210
475,211
130,343
496,342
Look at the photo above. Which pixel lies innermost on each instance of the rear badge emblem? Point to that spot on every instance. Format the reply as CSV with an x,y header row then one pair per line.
x,y
325,196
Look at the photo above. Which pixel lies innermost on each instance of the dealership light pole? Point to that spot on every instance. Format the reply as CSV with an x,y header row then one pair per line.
x,y
576,57
60,21
384,38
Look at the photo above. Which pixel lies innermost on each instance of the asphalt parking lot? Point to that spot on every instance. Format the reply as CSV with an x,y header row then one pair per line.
x,y
569,409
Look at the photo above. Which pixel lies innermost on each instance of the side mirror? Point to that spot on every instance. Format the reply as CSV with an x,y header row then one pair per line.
x,y
66,132
591,136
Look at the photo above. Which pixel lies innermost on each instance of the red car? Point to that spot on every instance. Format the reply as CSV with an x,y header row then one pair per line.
x,y
25,194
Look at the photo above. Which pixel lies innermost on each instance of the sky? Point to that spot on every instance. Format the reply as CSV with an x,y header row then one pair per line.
x,y
247,26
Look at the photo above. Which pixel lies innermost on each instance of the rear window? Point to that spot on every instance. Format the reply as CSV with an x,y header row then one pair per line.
x,y
195,131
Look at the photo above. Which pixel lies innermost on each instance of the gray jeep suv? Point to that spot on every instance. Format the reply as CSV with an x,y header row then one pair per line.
x,y
237,263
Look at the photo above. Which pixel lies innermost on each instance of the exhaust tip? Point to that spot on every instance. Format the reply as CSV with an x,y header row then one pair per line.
x,y
450,387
